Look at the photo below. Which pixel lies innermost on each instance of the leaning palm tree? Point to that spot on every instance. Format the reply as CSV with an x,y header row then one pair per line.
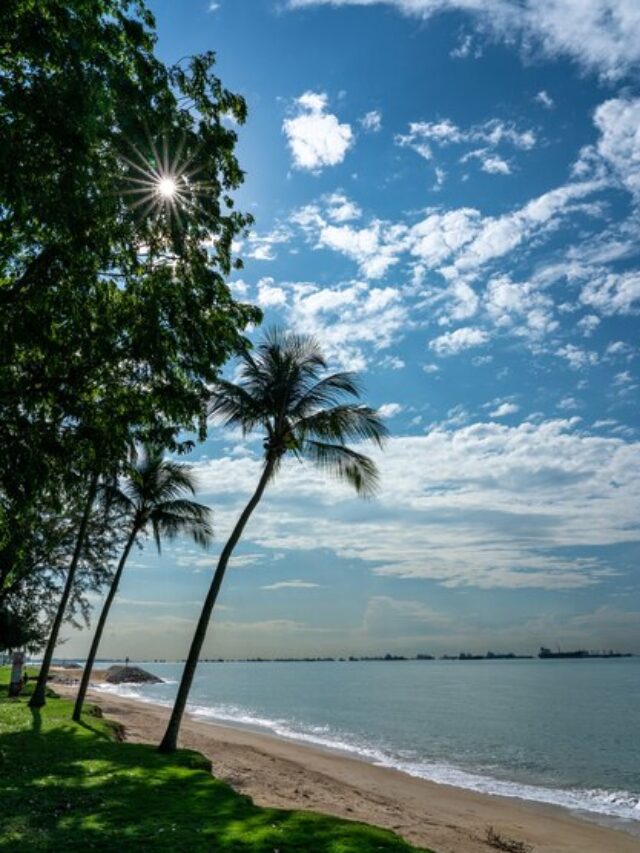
x,y
283,390
152,498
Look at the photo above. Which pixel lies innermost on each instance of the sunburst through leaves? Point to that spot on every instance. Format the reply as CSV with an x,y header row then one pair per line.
x,y
164,185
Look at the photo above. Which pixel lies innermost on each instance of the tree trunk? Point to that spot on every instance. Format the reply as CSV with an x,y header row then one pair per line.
x,y
170,739
38,698
86,675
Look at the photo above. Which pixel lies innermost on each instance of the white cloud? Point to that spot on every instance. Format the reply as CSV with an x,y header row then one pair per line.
x,y
422,136
520,308
544,99
504,409
620,349
495,165
262,246
390,410
270,295
492,163
588,324
601,35
375,248
339,208
611,293
371,122
618,121
496,236
392,362
485,504
347,318
440,235
316,137
451,343
292,584
568,404
456,243
578,358
445,132
466,48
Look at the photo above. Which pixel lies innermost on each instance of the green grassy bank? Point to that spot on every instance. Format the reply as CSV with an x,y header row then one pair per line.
x,y
67,786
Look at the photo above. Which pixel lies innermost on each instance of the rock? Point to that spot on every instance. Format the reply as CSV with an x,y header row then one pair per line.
x,y
130,675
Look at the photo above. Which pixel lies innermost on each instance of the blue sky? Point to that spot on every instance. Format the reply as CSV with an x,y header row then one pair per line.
x,y
447,194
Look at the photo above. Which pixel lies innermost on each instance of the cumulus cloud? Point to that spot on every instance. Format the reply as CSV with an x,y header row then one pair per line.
x,y
375,247
390,410
270,295
494,164
601,35
340,208
504,409
520,307
451,343
577,357
316,137
352,320
611,292
618,121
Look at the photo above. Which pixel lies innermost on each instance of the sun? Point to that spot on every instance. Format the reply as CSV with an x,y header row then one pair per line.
x,y
161,184
167,187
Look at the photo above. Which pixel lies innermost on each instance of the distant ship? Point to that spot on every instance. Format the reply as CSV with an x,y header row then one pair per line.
x,y
580,653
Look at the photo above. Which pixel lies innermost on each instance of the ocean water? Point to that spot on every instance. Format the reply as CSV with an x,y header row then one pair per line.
x,y
562,732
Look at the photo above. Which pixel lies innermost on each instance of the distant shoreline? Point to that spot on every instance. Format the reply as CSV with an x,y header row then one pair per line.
x,y
289,774
463,656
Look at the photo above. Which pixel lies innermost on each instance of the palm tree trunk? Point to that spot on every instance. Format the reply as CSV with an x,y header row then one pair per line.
x,y
170,740
86,675
38,698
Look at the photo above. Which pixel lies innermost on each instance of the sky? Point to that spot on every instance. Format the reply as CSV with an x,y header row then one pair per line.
x,y
447,195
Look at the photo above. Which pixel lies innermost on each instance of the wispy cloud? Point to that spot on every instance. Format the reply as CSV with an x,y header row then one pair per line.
x,y
601,35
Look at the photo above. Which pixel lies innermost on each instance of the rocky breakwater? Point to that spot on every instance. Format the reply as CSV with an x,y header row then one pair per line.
x,y
130,675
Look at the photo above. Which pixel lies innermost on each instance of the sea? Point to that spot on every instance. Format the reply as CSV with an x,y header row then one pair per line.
x,y
562,732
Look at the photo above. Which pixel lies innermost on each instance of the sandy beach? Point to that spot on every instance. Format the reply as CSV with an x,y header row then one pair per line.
x,y
285,774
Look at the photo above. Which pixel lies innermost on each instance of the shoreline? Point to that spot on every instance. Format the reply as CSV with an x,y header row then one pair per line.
x,y
285,773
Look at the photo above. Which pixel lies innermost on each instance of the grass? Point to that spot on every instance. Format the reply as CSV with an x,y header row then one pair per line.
x,y
67,786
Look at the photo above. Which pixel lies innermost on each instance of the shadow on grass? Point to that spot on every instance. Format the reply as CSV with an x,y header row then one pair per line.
x,y
72,787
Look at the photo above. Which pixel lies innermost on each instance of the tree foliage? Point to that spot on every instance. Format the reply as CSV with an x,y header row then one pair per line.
x,y
114,312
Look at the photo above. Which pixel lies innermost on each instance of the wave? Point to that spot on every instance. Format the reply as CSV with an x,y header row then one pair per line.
x,y
597,801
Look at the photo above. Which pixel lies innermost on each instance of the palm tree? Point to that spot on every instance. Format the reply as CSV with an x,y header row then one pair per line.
x,y
151,497
38,697
284,391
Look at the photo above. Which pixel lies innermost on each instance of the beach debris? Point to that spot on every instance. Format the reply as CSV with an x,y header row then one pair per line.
x,y
130,675
509,845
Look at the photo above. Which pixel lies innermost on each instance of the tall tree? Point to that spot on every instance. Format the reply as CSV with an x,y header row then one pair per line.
x,y
151,497
116,227
284,391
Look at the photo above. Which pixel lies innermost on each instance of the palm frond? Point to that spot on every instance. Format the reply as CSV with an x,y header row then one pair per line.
x,y
281,387
346,464
343,422
327,392
233,405
182,517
